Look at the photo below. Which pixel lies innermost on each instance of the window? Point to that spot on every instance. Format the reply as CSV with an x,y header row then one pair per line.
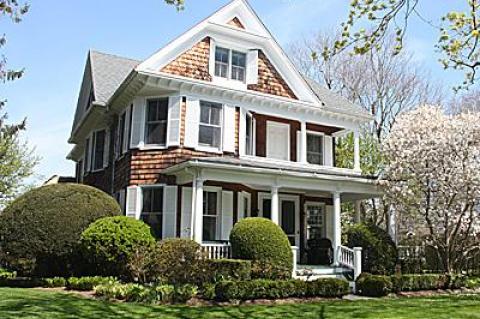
x,y
210,216
239,61
156,122
121,134
315,149
221,62
152,209
230,64
267,208
86,167
98,143
210,130
249,135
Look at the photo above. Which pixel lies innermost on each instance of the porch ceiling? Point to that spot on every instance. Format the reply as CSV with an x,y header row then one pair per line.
x,y
289,178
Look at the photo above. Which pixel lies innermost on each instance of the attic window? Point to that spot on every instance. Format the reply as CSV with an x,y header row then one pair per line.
x,y
230,64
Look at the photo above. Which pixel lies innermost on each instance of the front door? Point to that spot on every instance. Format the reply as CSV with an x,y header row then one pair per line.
x,y
288,220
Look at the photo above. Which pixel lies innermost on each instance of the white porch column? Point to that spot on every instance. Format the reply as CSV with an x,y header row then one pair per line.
x,y
358,212
337,225
197,200
303,142
356,151
275,205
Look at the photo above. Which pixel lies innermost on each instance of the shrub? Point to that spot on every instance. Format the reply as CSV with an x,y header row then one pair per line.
x,y
88,283
109,242
177,261
278,289
56,282
4,274
419,282
39,231
22,282
373,285
266,245
472,283
379,255
216,270
146,294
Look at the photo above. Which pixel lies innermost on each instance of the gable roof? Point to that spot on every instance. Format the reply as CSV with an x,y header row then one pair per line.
x,y
108,72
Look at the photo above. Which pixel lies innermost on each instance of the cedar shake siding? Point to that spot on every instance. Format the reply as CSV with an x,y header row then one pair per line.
x,y
269,80
236,23
193,63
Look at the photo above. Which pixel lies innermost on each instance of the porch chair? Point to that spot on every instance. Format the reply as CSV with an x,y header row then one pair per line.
x,y
320,251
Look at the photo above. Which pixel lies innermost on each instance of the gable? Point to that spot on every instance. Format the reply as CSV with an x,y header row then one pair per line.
x,y
194,63
269,79
234,27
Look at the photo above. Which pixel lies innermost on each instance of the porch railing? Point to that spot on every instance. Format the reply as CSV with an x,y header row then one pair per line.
x,y
217,250
350,258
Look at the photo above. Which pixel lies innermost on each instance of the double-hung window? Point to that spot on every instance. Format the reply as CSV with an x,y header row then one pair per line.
x,y
230,64
210,129
152,209
315,149
249,124
210,214
156,122
98,149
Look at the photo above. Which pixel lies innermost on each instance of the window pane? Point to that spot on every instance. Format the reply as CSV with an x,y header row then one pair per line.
x,y
314,143
267,208
313,158
221,70
155,223
157,110
210,113
156,133
157,202
221,55
99,149
210,203
239,59
238,73
209,135
209,228
215,111
204,113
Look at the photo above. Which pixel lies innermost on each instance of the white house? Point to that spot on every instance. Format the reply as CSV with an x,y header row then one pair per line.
x,y
217,126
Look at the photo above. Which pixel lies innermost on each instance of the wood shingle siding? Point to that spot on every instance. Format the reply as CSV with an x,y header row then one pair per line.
x,y
193,63
269,80
236,23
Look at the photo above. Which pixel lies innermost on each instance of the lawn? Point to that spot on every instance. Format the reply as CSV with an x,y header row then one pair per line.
x,y
27,303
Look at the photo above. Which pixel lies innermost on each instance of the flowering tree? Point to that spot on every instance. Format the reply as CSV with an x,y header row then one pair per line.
x,y
433,174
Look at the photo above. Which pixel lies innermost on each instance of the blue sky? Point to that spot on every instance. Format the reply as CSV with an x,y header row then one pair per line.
x,y
53,40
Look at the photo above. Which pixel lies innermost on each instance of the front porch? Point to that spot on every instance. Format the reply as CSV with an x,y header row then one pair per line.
x,y
304,202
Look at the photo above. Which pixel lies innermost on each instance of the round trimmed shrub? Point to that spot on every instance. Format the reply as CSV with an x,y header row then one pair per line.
x,y
266,245
40,230
379,255
373,285
109,243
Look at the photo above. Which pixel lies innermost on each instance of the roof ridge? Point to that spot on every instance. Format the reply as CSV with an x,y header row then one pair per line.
x,y
114,55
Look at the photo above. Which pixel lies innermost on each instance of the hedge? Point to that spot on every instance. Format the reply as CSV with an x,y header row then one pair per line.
x,y
160,294
216,270
280,289
266,245
377,285
39,231
88,283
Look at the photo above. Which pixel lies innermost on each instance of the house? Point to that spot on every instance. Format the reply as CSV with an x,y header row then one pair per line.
x,y
217,126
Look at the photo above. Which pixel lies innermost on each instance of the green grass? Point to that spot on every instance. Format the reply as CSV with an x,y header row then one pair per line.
x,y
28,303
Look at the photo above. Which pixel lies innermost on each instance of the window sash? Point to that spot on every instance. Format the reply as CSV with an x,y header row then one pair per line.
x,y
98,149
315,156
230,64
238,68
156,124
210,215
210,126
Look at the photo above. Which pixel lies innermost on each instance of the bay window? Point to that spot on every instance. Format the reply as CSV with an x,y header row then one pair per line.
x,y
156,122
210,214
315,149
152,209
210,129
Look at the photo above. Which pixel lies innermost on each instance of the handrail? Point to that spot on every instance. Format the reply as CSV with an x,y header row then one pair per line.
x,y
217,250
346,256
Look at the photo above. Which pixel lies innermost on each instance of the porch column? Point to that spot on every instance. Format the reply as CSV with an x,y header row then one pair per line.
x,y
358,212
198,210
275,205
303,142
337,225
356,151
